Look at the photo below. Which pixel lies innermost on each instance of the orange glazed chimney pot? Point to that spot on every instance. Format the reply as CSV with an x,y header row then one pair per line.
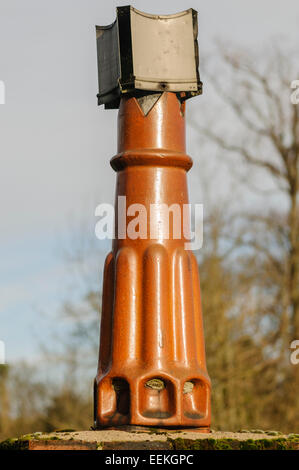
x,y
152,368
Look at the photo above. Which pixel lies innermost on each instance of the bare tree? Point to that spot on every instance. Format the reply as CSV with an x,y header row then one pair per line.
x,y
256,90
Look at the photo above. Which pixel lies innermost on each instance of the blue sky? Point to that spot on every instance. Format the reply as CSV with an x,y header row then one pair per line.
x,y
55,143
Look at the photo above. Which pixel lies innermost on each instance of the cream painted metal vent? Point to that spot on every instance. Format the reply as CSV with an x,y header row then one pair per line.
x,y
144,53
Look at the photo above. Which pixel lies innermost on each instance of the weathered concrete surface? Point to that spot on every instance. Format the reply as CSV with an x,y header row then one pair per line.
x,y
154,439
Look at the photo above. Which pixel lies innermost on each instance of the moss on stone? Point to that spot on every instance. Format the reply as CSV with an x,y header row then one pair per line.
x,y
235,444
273,433
290,442
14,444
